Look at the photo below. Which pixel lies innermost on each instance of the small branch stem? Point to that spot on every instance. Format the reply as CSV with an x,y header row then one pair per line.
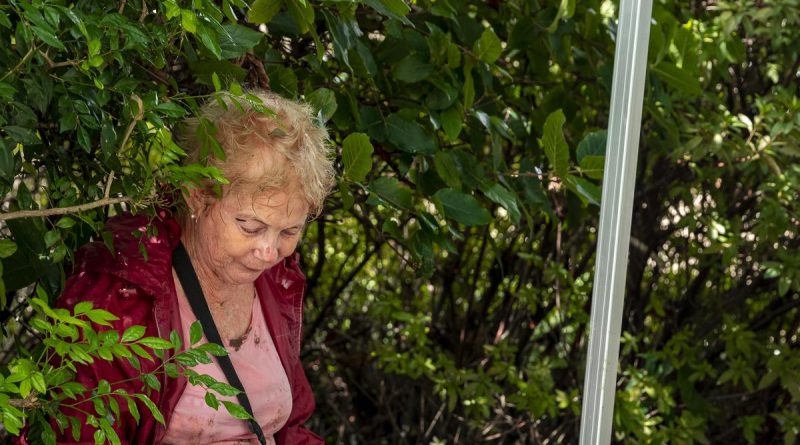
x,y
23,61
107,192
64,210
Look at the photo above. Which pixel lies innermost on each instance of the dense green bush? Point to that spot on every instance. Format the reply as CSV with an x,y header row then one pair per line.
x,y
449,279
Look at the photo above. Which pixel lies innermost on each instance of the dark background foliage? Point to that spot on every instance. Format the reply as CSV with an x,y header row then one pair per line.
x,y
450,277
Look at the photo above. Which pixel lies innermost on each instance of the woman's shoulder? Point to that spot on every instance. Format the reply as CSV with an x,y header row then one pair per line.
x,y
136,249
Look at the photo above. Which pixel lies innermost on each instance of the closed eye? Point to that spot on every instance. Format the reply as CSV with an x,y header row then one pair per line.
x,y
245,229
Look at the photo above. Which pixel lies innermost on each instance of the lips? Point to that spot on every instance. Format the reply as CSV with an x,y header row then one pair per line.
x,y
254,270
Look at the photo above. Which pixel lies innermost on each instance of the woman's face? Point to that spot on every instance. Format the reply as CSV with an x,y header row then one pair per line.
x,y
243,234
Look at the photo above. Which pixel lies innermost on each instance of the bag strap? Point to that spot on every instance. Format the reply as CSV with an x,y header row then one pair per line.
x,y
191,285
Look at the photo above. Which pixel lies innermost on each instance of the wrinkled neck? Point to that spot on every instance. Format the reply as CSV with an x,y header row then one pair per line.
x,y
214,288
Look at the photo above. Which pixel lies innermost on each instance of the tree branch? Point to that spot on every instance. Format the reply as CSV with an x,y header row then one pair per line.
x,y
64,210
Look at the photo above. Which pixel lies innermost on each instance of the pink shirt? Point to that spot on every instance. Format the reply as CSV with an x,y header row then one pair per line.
x,y
260,371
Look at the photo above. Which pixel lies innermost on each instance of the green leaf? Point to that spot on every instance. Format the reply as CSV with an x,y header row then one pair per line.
x,y
397,7
38,383
171,109
151,381
409,136
447,168
195,332
213,349
236,410
25,388
48,37
155,343
504,197
82,307
357,156
4,21
587,191
133,333
592,166
345,33
138,350
7,248
593,144
224,389
462,207
443,96
554,144
324,103
394,9
302,14
413,68
236,40
364,61
99,437
186,359
7,91
22,135
48,435
65,222
189,21
51,237
678,78
262,11
84,139
12,422
175,339
452,120
784,283
75,427
7,164
390,190
211,401
110,433
348,200
151,406
101,317
469,86
210,40
488,48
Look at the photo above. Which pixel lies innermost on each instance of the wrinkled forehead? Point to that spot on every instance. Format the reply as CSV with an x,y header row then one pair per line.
x,y
285,203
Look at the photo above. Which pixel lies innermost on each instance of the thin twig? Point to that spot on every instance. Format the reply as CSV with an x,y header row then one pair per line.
x,y
63,210
51,64
23,61
132,124
107,192
144,12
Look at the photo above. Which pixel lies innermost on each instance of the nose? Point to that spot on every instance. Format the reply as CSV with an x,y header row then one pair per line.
x,y
267,249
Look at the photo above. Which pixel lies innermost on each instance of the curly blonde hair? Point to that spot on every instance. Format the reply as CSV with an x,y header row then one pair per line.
x,y
274,150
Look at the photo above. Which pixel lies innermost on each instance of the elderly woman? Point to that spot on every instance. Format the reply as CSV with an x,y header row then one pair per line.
x,y
231,253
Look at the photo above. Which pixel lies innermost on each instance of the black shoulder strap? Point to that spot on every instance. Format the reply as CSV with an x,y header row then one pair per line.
x,y
183,266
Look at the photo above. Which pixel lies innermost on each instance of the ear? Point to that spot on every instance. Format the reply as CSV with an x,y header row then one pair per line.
x,y
197,198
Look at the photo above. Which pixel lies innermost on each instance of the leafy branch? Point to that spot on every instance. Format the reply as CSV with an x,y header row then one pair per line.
x,y
38,390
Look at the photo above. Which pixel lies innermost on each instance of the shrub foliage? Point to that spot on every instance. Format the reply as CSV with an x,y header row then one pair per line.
x,y
450,277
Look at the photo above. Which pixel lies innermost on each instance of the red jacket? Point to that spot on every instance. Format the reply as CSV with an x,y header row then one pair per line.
x,y
142,292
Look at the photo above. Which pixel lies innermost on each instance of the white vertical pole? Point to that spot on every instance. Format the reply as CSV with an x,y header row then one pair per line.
x,y
627,92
